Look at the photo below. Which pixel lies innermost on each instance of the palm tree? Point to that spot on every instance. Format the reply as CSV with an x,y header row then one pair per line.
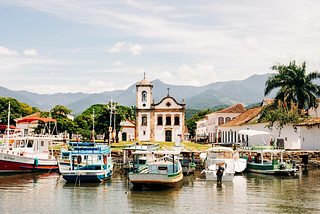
x,y
295,85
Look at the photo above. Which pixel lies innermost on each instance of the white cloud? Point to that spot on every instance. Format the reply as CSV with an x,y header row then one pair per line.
x,y
117,47
31,52
251,43
277,56
135,50
52,73
199,75
6,52
117,63
165,75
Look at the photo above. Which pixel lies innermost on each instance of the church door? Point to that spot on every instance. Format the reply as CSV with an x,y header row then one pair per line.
x,y
124,136
168,136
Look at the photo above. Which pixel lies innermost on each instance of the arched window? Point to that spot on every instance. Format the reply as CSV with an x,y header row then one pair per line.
x,y
228,119
176,120
144,121
159,121
144,96
168,120
220,120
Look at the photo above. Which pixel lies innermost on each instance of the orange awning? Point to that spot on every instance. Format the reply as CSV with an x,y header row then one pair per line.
x,y
6,126
31,119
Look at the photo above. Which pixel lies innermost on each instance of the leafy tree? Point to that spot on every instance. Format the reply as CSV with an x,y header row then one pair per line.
x,y
191,123
295,85
17,110
278,114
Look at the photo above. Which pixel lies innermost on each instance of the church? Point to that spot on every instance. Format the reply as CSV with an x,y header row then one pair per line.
x,y
163,121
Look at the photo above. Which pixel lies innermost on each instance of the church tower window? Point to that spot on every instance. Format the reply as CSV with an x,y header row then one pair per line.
x,y
144,121
144,96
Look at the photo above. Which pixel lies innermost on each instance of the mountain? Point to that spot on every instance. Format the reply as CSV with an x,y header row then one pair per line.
x,y
246,91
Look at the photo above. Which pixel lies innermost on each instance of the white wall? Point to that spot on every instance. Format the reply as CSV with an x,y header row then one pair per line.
x,y
291,138
143,137
149,97
310,137
160,130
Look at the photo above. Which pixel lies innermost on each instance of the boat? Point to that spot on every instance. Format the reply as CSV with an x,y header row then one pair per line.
x,y
64,159
187,162
158,172
265,159
130,148
97,165
221,164
27,153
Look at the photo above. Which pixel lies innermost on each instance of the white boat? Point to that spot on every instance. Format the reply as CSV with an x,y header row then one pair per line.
x,y
160,172
258,162
27,153
221,164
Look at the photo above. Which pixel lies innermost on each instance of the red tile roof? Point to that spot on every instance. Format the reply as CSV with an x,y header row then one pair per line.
x,y
244,117
238,108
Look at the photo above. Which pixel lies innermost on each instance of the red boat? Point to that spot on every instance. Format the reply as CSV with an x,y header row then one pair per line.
x,y
27,153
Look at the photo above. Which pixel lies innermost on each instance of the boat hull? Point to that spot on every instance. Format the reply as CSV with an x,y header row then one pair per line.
x,y
20,164
211,176
155,180
271,169
87,176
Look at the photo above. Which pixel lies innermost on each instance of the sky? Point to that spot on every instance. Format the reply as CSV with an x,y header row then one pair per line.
x,y
93,46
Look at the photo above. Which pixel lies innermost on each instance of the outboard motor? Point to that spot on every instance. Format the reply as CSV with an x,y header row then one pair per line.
x,y
219,173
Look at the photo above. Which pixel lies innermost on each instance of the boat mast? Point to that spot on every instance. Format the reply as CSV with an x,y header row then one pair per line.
x,y
8,129
93,126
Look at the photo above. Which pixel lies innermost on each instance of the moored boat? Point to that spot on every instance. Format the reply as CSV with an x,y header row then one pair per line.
x,y
27,153
159,172
265,159
98,164
221,164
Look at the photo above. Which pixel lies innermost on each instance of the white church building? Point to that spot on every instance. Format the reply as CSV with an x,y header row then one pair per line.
x,y
163,121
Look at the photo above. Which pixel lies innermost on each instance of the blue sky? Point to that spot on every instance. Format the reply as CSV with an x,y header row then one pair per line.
x,y
93,46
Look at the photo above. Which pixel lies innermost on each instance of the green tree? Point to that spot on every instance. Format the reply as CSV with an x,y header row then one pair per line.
x,y
295,85
17,110
191,123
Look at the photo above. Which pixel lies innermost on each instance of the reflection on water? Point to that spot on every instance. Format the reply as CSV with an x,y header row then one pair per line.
x,y
248,193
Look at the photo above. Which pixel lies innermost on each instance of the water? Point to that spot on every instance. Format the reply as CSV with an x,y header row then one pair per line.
x,y
248,193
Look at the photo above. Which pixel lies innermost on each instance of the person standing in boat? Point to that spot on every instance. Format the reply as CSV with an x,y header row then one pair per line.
x,y
258,158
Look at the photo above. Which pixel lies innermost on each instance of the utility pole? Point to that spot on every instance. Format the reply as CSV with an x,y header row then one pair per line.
x,y
110,127
93,126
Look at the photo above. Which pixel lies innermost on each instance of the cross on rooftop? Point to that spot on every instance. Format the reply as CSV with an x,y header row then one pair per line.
x,y
168,90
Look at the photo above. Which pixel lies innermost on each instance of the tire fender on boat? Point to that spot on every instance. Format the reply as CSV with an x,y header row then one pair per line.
x,y
79,159
105,160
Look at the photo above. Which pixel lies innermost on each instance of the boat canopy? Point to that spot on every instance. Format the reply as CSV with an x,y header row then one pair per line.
x,y
6,126
253,132
31,119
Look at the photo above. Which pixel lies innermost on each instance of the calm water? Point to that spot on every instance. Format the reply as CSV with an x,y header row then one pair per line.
x,y
248,193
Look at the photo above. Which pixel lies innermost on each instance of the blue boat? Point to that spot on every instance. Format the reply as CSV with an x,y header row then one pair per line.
x,y
89,164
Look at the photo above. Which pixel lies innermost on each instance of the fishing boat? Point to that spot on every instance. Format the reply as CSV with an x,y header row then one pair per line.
x,y
130,148
88,164
221,164
187,162
27,153
265,159
158,172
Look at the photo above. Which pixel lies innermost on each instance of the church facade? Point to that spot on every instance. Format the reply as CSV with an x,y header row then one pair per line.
x,y
163,121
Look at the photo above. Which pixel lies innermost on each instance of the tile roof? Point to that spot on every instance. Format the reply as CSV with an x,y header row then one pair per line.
x,y
201,120
244,117
267,101
314,121
238,108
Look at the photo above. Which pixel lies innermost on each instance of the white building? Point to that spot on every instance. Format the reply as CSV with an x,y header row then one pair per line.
x,y
127,132
207,127
202,130
163,121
